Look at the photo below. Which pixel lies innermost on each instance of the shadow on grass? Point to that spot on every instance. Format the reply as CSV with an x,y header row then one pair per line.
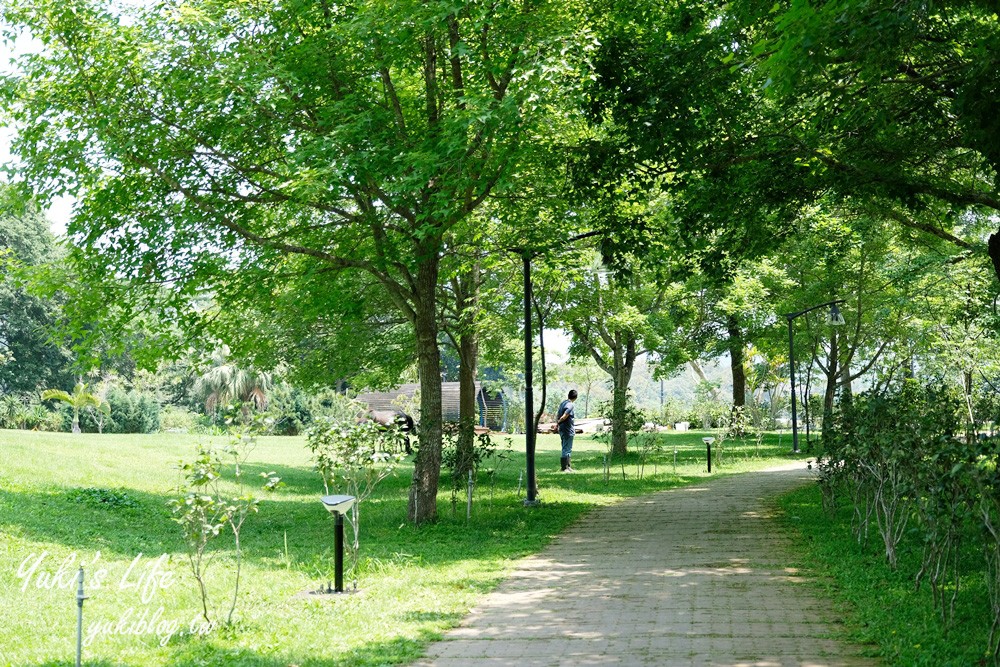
x,y
62,517
391,652
293,522
502,528
207,652
72,663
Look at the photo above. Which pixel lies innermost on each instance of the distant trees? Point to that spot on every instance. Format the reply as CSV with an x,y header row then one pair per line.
x,y
226,382
32,359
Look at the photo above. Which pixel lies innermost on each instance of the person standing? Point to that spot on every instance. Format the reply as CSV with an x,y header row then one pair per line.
x,y
566,421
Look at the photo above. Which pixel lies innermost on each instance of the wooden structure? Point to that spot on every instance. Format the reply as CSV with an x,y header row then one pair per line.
x,y
492,408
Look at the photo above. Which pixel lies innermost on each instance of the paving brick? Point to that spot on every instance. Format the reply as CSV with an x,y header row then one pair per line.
x,y
690,576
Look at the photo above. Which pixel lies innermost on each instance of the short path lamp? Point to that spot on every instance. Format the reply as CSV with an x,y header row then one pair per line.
x,y
338,506
834,319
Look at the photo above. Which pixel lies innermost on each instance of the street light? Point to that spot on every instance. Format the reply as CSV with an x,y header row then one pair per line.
x,y
834,319
530,437
338,506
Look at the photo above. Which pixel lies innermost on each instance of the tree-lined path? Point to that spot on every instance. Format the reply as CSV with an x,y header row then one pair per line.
x,y
691,576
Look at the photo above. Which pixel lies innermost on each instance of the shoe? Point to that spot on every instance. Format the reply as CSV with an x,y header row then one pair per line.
x,y
569,466
563,463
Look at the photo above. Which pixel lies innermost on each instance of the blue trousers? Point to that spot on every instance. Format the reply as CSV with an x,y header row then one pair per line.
x,y
567,443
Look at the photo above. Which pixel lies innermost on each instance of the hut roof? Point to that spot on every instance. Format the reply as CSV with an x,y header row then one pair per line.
x,y
388,400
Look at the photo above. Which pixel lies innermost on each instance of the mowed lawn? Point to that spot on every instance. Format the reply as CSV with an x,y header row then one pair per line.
x,y
413,583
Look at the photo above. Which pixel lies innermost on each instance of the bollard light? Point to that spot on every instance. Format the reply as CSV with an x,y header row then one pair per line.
x,y
80,597
708,447
338,506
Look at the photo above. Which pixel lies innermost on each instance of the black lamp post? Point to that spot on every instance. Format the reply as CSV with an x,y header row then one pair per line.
x,y
834,319
530,437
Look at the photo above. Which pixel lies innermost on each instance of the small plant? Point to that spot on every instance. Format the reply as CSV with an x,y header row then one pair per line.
x,y
205,509
633,419
353,457
483,448
499,458
649,446
97,497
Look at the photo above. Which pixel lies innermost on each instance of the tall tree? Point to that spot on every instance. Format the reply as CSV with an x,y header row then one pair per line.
x,y
748,112
27,322
614,320
203,137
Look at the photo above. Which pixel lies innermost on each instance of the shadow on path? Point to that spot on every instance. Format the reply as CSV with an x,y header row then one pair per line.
x,y
689,576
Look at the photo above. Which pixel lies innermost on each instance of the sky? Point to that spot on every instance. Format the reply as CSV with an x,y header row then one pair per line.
x,y
61,209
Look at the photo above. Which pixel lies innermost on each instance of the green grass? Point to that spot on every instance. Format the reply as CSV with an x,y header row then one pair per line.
x,y
882,608
74,497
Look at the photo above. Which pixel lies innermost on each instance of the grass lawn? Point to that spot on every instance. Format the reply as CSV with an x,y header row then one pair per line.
x,y
413,583
881,607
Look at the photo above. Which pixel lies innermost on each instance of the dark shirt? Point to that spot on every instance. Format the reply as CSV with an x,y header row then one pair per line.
x,y
567,426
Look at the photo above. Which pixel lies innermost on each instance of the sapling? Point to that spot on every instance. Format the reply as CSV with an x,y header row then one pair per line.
x,y
354,457
205,509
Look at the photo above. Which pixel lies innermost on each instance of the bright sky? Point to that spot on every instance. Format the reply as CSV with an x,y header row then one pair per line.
x,y
60,211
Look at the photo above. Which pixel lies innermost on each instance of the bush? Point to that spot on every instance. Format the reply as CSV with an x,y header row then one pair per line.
x,y
178,419
25,411
291,410
907,463
131,412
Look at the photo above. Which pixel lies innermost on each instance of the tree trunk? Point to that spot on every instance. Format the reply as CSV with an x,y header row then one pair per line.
x,y
736,347
700,374
846,384
624,363
466,288
545,380
427,464
831,382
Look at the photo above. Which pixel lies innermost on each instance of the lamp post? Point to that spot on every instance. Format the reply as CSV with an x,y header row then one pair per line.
x,y
530,436
834,319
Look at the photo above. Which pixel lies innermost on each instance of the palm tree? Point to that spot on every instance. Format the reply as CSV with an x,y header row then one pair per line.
x,y
78,400
227,382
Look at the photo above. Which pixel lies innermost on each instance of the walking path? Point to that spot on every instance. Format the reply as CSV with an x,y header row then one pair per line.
x,y
690,576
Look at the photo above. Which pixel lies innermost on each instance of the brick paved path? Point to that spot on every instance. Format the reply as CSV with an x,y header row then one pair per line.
x,y
690,576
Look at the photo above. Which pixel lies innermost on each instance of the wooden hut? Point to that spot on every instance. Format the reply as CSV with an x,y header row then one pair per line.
x,y
492,407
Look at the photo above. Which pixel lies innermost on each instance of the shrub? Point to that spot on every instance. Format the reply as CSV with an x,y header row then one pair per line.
x,y
905,457
131,412
178,419
353,457
291,410
25,411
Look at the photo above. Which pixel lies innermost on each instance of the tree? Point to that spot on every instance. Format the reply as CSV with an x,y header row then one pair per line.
x,y
614,319
731,314
585,373
226,382
33,359
207,138
80,399
747,113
